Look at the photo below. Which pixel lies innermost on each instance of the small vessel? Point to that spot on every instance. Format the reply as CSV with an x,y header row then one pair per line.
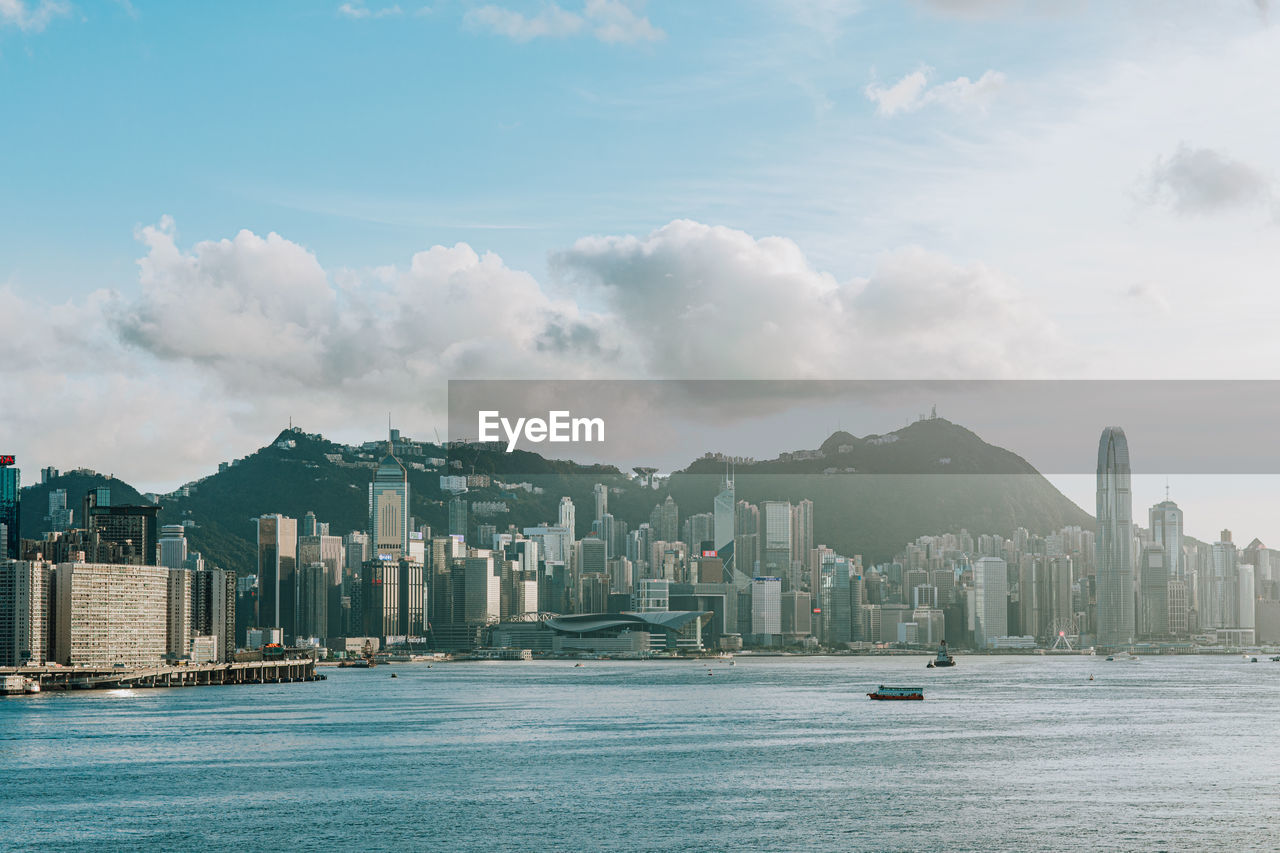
x,y
393,675
882,693
1110,657
577,664
31,686
943,659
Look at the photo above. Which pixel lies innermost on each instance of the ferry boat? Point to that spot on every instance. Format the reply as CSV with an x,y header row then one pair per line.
x,y
943,658
883,693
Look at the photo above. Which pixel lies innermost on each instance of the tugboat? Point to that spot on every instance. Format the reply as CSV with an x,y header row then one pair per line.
x,y
943,658
892,693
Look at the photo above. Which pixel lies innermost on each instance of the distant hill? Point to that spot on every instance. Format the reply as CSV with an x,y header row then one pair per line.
x,y
35,498
879,492
871,494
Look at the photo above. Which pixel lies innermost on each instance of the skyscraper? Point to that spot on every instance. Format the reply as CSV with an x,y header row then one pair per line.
x,y
990,600
1114,546
173,546
389,508
776,519
602,500
566,518
277,575
458,518
724,510
1153,599
1166,531
664,521
10,509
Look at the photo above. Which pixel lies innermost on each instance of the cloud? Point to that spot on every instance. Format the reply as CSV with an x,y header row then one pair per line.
x,y
360,11
913,92
609,21
32,18
703,301
967,8
1202,180
224,340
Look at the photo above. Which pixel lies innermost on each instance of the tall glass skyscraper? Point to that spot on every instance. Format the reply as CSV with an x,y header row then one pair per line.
x,y
1166,531
1114,545
724,510
10,509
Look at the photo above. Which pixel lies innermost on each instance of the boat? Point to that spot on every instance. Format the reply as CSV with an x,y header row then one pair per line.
x,y
943,659
891,693
31,686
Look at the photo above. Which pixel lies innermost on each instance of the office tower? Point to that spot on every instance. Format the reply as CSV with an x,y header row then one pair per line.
x,y
776,559
328,551
1153,592
990,600
699,528
664,521
173,546
1166,531
1114,543
309,523
594,593
566,517
132,528
313,600
380,596
724,510
389,508
601,492
458,518
179,608
802,533
483,588
24,611
797,615
1178,608
592,556
277,581
109,614
411,609
1219,594
59,517
10,509
766,603
603,529
1246,585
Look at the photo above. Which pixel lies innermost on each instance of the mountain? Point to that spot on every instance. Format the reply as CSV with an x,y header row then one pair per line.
x,y
35,498
871,495
874,494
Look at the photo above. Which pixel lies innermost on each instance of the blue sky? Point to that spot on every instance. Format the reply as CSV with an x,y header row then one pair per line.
x,y
218,216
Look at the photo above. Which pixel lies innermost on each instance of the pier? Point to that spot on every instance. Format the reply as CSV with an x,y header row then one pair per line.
x,y
191,675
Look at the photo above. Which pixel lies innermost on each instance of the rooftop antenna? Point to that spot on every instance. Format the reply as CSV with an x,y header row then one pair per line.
x,y
1166,488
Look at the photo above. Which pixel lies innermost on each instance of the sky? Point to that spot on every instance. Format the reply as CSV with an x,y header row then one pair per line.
x,y
218,217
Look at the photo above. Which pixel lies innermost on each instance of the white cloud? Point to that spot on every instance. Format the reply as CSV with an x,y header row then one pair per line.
x,y
1202,180
224,340
913,92
360,11
610,21
697,300
29,17
1150,296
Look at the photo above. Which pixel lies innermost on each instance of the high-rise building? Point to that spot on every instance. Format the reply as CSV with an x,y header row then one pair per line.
x,y
59,517
214,608
173,546
664,521
990,600
458,518
109,614
483,601
277,573
601,492
1115,592
802,533
10,509
389,508
1220,592
24,611
1166,531
766,604
179,609
132,528
724,510
776,558
566,518
1153,592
